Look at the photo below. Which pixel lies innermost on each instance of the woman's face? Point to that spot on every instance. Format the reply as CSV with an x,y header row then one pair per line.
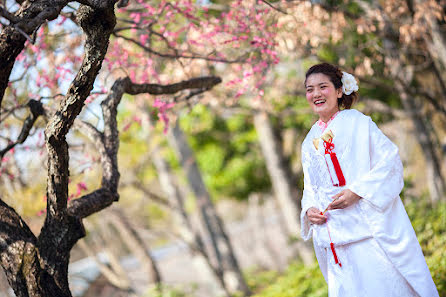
x,y
322,95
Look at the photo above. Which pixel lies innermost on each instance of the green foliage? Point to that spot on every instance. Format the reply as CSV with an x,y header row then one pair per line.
x,y
227,152
327,53
297,281
298,119
429,222
258,280
168,291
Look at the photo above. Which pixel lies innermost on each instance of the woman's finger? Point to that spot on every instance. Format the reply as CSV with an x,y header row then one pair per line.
x,y
316,217
337,195
336,203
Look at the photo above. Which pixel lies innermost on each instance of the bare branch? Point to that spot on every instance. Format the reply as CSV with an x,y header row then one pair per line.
x,y
91,203
9,16
107,194
36,111
13,37
176,56
123,3
152,196
98,4
373,105
157,89
273,7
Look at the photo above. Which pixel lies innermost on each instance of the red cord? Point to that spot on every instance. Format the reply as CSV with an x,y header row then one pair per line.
x,y
333,248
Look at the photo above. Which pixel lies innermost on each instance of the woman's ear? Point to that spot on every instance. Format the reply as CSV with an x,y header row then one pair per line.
x,y
339,92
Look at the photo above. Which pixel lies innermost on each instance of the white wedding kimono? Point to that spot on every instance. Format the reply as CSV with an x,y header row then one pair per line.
x,y
374,239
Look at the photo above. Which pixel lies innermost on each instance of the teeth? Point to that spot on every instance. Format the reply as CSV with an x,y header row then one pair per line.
x,y
319,101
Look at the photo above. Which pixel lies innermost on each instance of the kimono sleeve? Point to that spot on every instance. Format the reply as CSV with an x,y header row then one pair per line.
x,y
384,181
308,200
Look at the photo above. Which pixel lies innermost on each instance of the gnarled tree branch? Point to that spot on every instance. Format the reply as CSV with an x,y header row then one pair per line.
x,y
36,111
61,231
107,142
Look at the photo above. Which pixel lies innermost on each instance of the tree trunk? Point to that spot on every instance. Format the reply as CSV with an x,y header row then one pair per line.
x,y
287,195
437,44
28,271
434,176
187,231
112,271
263,247
221,246
134,242
403,78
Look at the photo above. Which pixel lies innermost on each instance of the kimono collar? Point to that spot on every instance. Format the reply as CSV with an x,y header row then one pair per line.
x,y
324,125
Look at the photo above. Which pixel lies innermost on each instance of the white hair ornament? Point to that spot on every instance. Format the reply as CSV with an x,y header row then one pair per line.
x,y
349,84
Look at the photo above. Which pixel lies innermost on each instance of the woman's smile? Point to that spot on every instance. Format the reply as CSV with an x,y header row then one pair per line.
x,y
319,102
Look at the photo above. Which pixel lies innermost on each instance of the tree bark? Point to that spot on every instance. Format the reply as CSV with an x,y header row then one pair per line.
x,y
286,195
222,250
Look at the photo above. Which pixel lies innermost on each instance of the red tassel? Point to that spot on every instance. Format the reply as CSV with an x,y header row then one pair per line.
x,y
329,146
338,169
334,254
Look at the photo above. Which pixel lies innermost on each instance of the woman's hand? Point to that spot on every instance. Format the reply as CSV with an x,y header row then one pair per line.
x,y
315,216
343,199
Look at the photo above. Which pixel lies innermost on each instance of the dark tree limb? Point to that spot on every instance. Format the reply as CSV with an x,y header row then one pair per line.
x,y
98,4
36,111
123,3
61,230
91,203
274,7
7,15
97,25
156,89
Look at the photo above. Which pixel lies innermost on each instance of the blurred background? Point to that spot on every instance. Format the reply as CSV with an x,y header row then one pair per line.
x,y
211,182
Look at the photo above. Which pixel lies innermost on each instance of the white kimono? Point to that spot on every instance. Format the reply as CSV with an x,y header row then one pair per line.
x,y
374,239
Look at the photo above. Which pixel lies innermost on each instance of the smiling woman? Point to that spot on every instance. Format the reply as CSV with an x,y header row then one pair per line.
x,y
326,90
322,96
363,239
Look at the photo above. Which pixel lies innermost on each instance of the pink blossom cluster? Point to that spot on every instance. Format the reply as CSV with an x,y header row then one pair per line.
x,y
169,35
163,107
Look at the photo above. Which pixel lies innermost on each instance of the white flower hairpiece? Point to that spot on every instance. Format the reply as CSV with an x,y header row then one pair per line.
x,y
349,84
